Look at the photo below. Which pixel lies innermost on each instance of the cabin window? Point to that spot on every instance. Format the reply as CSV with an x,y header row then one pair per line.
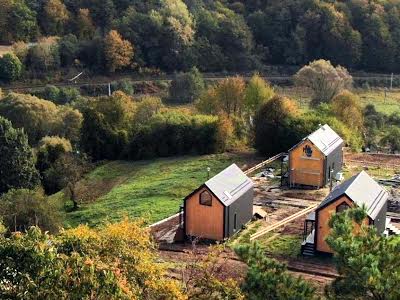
x,y
205,198
234,222
342,207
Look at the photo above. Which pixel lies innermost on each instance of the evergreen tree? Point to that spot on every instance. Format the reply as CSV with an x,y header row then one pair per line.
x,y
17,166
368,263
268,279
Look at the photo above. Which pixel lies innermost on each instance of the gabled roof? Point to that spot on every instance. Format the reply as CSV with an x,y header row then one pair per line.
x,y
325,139
361,189
229,184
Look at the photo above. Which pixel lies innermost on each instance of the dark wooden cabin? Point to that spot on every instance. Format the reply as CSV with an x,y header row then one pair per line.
x,y
219,207
359,190
316,159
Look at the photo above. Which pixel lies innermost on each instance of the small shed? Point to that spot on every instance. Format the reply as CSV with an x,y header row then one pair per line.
x,y
316,159
359,190
219,207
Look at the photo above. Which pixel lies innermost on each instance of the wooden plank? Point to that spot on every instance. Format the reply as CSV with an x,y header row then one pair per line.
x,y
263,163
283,222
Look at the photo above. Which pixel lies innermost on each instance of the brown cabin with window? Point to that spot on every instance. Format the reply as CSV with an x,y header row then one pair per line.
x,y
359,190
220,206
316,159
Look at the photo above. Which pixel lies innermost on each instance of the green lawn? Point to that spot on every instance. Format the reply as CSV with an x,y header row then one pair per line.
x,y
374,96
151,189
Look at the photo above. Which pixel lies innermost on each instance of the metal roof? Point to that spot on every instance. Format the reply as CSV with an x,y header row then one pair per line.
x,y
361,189
325,139
229,184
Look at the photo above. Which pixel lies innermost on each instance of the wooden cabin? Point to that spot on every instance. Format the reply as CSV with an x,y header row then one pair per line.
x,y
316,159
219,207
359,190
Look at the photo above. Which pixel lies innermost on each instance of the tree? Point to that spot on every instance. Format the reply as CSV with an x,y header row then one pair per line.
x,y
276,126
41,117
367,262
146,109
84,24
69,47
20,49
186,87
22,208
55,17
50,149
65,172
325,80
115,262
118,52
346,107
10,67
204,279
227,97
44,56
257,92
106,126
17,166
391,139
269,279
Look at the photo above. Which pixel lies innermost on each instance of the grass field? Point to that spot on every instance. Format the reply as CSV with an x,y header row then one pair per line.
x,y
150,189
387,105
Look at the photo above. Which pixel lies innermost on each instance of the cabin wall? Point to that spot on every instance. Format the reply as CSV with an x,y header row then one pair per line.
x,y
380,219
334,161
322,227
306,170
204,221
243,207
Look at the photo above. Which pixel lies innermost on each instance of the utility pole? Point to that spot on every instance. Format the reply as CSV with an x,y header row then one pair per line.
x,y
109,89
208,172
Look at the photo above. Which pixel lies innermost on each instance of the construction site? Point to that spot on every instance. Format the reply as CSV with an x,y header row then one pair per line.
x,y
279,214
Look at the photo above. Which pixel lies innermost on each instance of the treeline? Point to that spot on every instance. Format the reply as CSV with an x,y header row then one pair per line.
x,y
176,35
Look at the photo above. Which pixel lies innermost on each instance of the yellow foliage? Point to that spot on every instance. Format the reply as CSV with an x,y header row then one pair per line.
x,y
118,52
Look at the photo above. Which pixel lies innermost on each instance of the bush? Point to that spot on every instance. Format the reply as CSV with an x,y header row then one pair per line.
x,y
21,209
57,95
173,133
124,86
186,87
10,67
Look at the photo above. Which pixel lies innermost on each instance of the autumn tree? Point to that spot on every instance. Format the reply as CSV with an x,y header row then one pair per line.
x,y
44,56
367,262
257,92
118,52
324,80
227,97
55,17
84,24
118,261
17,166
10,67
20,49
276,126
267,278
346,107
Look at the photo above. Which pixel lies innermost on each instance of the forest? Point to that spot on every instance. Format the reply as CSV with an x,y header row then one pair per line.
x,y
51,37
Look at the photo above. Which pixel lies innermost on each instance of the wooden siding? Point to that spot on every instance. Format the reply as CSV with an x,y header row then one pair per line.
x,y
306,170
323,217
204,221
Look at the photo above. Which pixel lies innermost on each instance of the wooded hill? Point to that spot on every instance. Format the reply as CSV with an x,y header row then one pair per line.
x,y
171,35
